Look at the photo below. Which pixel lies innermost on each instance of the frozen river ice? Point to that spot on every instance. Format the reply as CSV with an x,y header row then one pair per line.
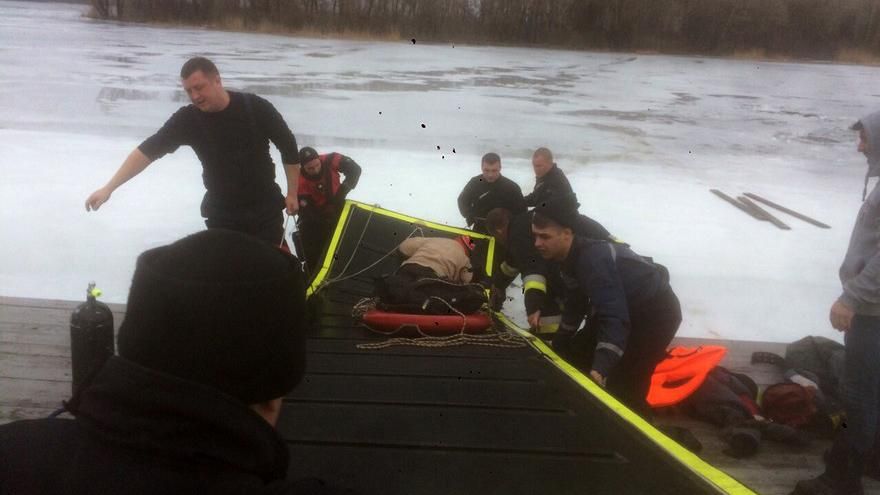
x,y
642,138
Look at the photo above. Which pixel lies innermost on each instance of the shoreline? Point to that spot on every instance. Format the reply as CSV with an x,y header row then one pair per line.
x,y
857,57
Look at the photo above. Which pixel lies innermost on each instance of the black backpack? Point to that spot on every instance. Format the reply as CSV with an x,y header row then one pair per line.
x,y
400,293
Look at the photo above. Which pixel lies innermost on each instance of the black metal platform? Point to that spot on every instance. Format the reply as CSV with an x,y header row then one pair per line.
x,y
452,420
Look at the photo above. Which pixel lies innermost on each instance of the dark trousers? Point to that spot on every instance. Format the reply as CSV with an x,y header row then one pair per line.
x,y
651,332
862,382
314,235
268,226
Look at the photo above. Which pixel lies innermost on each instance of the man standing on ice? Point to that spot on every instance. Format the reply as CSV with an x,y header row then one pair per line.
x,y
550,181
230,133
631,309
857,313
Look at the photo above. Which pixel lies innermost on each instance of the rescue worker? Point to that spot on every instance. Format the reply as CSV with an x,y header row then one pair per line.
x,y
321,196
230,133
542,287
549,179
632,312
488,191
438,257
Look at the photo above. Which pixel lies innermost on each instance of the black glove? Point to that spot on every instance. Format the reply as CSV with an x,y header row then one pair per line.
x,y
562,340
339,198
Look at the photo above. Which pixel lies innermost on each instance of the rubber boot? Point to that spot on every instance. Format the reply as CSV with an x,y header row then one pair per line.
x,y
842,476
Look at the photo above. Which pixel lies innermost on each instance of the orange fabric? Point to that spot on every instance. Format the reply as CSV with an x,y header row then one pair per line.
x,y
682,372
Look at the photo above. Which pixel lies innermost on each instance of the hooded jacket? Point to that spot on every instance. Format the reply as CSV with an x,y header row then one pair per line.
x,y
860,270
140,431
479,197
446,257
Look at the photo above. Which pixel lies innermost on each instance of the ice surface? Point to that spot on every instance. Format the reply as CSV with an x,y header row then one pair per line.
x,y
641,137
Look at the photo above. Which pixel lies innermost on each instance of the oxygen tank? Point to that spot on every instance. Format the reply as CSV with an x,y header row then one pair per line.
x,y
91,336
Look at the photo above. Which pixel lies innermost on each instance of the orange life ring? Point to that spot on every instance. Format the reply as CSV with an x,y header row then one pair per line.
x,y
402,324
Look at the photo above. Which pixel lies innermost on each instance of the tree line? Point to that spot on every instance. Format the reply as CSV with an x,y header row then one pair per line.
x,y
801,28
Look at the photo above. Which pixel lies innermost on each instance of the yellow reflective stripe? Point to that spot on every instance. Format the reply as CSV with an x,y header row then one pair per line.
x,y
535,281
343,218
615,239
719,479
549,324
508,270
334,241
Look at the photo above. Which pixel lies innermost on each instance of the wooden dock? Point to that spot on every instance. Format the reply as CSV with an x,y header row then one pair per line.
x,y
35,377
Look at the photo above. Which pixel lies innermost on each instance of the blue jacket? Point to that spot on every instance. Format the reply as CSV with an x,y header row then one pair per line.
x,y
610,284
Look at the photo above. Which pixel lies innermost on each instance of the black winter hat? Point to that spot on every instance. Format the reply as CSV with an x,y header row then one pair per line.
x,y
561,208
219,308
307,154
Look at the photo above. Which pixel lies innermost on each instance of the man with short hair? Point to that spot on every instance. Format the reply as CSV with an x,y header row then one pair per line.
x,y
230,133
517,256
857,313
631,309
549,179
321,197
213,339
488,191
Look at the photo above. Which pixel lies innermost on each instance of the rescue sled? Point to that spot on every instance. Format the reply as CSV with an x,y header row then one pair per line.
x,y
413,325
462,413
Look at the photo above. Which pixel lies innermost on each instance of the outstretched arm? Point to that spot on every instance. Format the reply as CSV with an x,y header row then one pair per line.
x,y
136,162
292,200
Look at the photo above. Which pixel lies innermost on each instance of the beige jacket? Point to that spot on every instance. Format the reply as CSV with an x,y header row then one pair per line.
x,y
445,256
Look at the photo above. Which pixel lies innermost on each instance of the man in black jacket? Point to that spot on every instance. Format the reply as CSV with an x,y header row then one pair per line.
x,y
230,133
631,309
321,196
212,340
488,191
542,287
550,181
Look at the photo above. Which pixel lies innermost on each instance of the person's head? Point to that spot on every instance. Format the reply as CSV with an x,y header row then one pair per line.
x,y
491,167
552,239
497,224
553,223
542,162
310,161
222,309
201,81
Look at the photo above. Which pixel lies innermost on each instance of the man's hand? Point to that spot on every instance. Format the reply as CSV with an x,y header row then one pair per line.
x,y
97,198
292,203
841,316
534,320
598,378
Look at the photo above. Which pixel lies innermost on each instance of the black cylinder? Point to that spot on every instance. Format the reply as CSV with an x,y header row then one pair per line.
x,y
91,338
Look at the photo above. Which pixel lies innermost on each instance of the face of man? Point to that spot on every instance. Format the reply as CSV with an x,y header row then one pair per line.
x,y
864,147
491,171
312,168
541,165
552,242
206,92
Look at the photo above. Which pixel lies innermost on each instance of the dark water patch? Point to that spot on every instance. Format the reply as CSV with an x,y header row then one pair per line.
x,y
619,129
320,55
736,97
643,116
684,98
110,94
530,99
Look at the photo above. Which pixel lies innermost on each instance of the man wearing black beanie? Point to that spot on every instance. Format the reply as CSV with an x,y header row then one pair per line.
x,y
632,313
212,340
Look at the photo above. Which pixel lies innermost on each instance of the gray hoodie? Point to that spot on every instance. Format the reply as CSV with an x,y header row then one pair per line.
x,y
860,271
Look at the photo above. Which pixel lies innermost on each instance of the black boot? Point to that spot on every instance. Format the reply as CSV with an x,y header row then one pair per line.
x,y
842,476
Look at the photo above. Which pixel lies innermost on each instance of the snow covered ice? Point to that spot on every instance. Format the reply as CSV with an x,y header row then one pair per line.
x,y
641,137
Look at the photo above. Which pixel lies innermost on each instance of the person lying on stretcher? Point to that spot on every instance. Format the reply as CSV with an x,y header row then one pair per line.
x,y
434,278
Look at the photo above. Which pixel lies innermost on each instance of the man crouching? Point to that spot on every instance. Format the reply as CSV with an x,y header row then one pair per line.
x,y
631,309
